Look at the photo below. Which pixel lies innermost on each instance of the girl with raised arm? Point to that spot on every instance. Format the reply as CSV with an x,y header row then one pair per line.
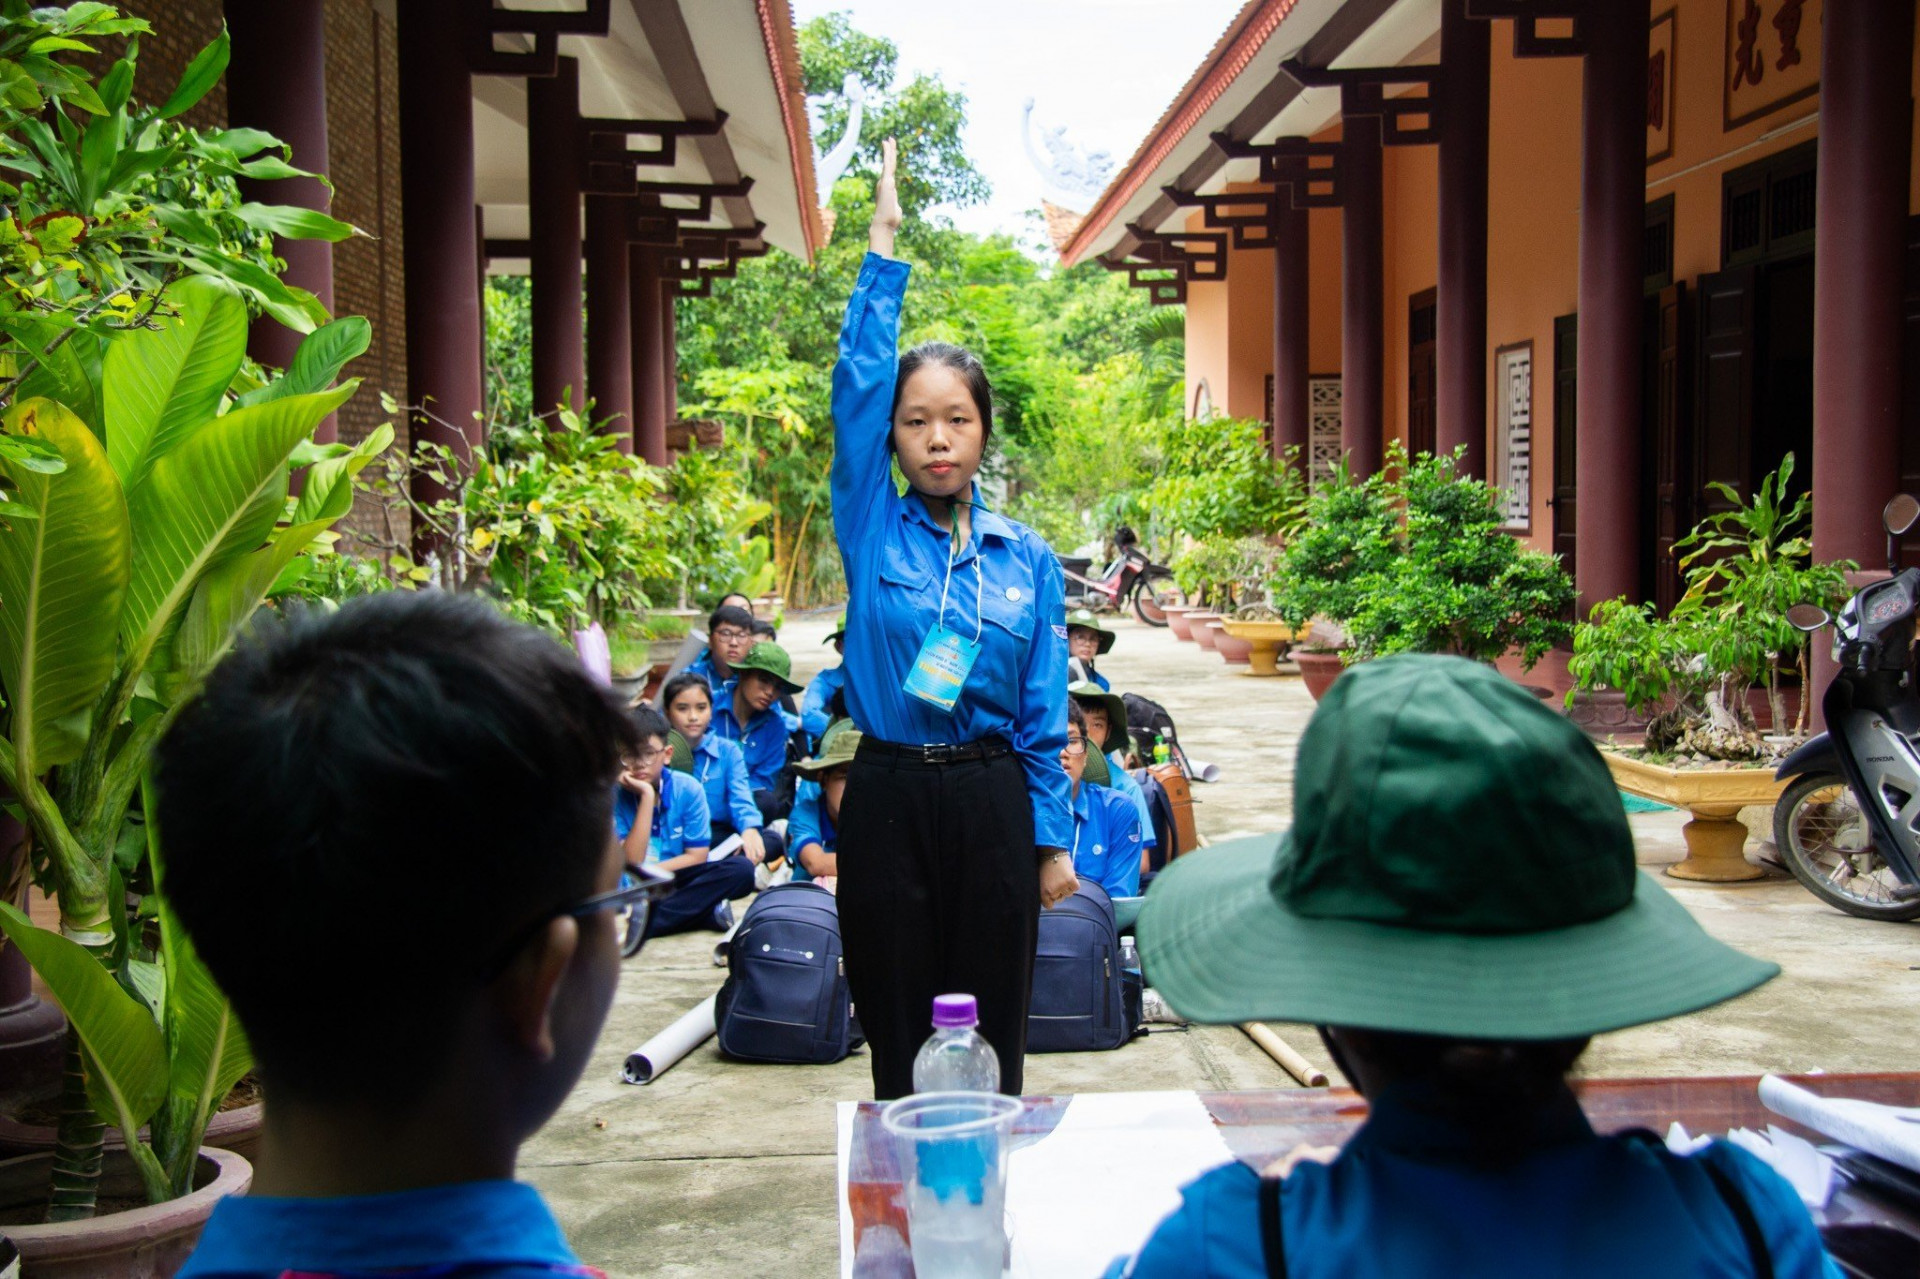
x,y
955,823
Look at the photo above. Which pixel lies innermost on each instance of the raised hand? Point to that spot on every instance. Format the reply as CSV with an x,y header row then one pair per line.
x,y
886,204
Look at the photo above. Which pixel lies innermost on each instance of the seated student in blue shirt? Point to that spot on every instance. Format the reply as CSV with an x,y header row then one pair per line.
x,y
1107,732
1086,640
729,638
1106,829
721,770
817,707
444,776
760,728
814,830
1457,908
660,818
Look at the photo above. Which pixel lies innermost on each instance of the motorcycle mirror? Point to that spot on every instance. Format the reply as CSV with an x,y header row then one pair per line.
x,y
1807,617
1902,513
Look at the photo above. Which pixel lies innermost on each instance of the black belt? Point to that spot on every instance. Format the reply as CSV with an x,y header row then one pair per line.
x,y
938,752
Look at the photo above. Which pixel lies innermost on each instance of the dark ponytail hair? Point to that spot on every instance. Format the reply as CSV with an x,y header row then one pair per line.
x,y
961,361
681,683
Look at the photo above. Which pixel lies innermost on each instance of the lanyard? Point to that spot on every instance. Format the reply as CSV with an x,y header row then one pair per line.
x,y
979,579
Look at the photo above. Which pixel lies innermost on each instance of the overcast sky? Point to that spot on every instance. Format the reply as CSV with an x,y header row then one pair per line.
x,y
1105,69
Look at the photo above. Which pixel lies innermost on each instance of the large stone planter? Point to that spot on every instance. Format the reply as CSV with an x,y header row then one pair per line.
x,y
237,1130
1715,837
150,1242
1605,716
1177,615
1198,623
1318,670
1232,649
1267,643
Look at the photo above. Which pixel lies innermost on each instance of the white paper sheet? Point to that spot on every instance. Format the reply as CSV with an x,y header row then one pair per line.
x,y
1864,1125
1096,1186
843,1157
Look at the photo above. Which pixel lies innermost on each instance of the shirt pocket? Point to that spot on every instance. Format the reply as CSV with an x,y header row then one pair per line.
x,y
909,592
1014,615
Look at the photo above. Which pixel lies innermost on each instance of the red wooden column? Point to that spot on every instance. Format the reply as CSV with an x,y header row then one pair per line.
x,y
1461,394
609,318
436,191
553,186
1859,273
649,359
277,81
670,349
1290,407
1362,295
1612,217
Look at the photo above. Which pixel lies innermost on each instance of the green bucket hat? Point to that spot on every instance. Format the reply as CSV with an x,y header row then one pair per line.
x,y
1092,697
1459,865
680,755
769,659
837,746
839,630
1085,618
1097,771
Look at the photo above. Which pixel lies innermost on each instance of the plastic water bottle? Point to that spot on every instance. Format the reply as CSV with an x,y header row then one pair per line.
x,y
1129,954
1161,753
956,1058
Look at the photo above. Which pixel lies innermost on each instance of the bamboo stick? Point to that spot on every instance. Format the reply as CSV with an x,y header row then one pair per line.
x,y
1284,1053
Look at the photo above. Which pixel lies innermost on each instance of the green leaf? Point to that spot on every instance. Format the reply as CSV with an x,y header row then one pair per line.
x,y
211,495
117,85
69,374
199,78
126,1055
296,308
63,578
243,142
319,359
164,384
56,44
294,222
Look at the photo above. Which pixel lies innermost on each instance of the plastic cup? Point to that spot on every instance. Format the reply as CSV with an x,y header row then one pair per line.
x,y
953,1170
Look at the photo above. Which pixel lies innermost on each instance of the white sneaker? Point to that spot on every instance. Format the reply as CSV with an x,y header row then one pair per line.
x,y
764,879
1154,1008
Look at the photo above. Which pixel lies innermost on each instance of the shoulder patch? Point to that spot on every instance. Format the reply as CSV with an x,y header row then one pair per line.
x,y
1059,630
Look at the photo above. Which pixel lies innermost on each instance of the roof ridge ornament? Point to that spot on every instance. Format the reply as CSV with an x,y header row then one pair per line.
x,y
1071,172
828,167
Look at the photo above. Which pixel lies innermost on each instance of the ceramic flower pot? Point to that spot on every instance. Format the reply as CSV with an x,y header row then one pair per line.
x,y
148,1242
1318,670
1267,640
237,1130
1197,623
1604,715
1177,615
1234,650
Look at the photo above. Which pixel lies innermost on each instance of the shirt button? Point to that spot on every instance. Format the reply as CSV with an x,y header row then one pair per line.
x,y
1013,592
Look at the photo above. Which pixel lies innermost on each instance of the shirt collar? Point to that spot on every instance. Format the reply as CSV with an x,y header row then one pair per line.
x,y
986,523
467,1223
1406,1119
710,744
1082,803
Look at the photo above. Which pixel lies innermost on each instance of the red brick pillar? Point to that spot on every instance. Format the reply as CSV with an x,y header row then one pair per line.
x,y
444,341
277,81
609,321
670,348
1612,224
649,360
1362,295
553,223
1291,414
1461,361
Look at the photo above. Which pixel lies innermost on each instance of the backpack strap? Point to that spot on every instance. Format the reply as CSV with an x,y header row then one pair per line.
x,y
1273,1238
1736,1202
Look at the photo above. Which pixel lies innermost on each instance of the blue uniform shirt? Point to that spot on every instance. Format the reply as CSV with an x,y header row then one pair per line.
x,y
763,741
721,771
814,716
486,1229
1405,1197
680,819
1124,783
722,689
809,824
1006,584
1106,840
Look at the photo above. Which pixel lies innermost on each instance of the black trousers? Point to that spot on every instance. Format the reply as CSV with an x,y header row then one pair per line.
x,y
939,894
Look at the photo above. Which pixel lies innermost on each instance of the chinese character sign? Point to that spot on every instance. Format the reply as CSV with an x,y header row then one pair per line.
x,y
1513,434
1772,56
1662,72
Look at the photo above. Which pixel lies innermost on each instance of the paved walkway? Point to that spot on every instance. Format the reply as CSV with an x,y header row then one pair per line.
x,y
721,1164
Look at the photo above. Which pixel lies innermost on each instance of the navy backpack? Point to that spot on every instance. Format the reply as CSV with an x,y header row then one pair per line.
x,y
1082,999
785,998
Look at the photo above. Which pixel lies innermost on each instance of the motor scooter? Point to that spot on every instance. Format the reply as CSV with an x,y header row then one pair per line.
x,y
1849,826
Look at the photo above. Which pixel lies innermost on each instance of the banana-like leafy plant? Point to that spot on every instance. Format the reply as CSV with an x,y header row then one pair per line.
x,y
169,525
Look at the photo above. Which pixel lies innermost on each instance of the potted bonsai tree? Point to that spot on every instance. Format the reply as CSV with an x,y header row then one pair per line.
x,y
1348,535
1622,666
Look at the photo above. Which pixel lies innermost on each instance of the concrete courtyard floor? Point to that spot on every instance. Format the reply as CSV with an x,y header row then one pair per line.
x,y
726,1166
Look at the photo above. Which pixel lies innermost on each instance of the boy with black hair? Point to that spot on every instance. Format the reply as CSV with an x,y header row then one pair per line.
x,y
1106,827
752,718
729,639
661,819
441,777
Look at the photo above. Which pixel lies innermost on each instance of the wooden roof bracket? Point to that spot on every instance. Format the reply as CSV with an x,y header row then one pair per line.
x,y
1363,92
1529,40
546,26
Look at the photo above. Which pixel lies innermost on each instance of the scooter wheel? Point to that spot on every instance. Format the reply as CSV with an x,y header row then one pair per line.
x,y
1824,839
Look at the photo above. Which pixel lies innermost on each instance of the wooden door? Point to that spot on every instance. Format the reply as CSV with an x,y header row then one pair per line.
x,y
1723,402
1422,372
1910,380
1668,441
1566,348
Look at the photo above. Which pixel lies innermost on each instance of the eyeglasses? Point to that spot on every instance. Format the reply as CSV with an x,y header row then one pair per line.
x,y
640,888
729,635
647,756
1075,746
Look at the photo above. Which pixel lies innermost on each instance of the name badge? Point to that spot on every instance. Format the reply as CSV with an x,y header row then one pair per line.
x,y
941,669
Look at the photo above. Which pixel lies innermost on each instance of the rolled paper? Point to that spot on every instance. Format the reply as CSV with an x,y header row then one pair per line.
x,y
1201,772
658,1055
1281,1051
724,947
